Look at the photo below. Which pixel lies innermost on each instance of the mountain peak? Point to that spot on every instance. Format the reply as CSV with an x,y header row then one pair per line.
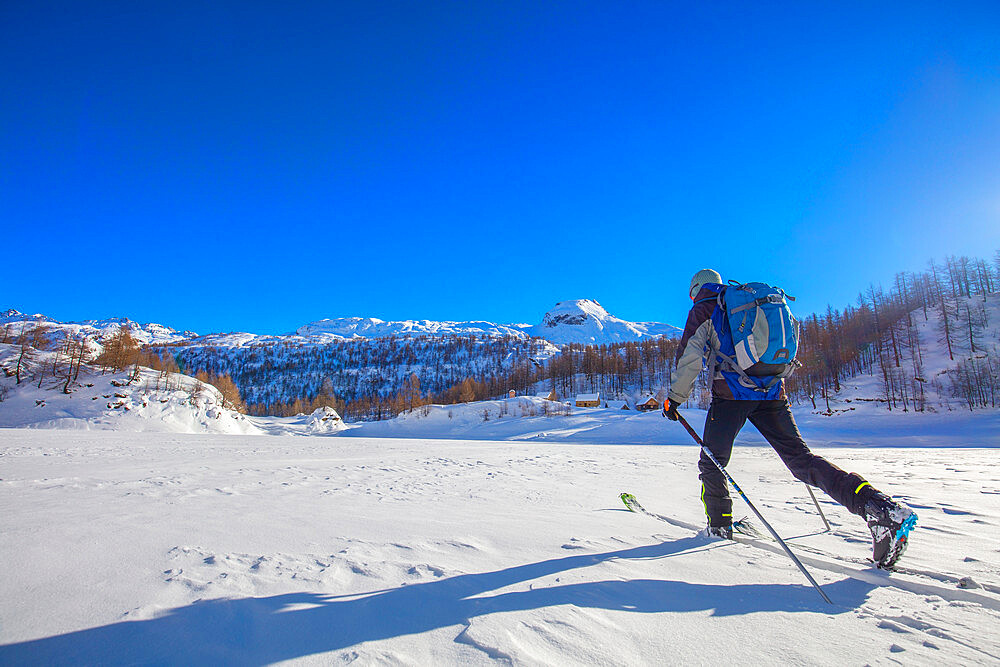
x,y
587,321
574,313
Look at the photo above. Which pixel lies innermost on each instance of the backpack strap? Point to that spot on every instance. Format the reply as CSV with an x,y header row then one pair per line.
x,y
748,382
744,378
770,298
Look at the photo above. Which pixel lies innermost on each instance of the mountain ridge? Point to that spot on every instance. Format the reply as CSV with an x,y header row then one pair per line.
x,y
580,321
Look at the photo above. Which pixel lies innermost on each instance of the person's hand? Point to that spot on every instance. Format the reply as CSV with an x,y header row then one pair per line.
x,y
670,410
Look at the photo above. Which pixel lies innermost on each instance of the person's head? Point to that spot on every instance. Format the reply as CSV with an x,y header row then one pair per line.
x,y
700,278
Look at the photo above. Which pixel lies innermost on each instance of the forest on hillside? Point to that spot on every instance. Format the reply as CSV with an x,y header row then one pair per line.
x,y
877,336
365,378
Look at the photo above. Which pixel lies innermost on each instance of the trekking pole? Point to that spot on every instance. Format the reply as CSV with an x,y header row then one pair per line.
x,y
818,508
736,486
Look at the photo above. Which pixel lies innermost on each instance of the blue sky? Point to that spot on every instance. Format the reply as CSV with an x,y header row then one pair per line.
x,y
236,166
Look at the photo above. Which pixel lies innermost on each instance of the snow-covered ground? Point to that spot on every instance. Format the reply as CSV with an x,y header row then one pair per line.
x,y
110,402
123,548
523,419
934,365
144,522
142,402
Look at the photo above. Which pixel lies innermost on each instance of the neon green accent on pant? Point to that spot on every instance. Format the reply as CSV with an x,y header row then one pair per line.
x,y
860,486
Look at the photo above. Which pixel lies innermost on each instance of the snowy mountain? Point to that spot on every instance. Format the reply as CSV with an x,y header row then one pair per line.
x,y
370,327
586,321
576,321
359,357
149,333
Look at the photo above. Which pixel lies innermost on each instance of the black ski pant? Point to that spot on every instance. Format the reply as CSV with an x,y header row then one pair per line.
x,y
775,422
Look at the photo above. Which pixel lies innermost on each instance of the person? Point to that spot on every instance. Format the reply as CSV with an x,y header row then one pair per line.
x,y
738,397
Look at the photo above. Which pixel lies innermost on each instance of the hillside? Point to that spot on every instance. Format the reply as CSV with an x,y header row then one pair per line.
x,y
930,370
54,395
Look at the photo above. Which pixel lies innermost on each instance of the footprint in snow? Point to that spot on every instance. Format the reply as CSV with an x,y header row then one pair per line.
x,y
422,569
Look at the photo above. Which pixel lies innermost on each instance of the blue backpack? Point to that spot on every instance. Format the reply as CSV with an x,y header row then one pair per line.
x,y
763,332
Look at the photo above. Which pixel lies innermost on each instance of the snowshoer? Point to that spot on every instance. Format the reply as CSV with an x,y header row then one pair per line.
x,y
743,391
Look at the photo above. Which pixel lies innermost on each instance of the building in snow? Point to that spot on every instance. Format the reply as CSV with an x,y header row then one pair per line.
x,y
647,404
549,395
588,400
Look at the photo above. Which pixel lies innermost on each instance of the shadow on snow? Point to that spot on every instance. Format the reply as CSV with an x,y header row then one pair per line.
x,y
265,630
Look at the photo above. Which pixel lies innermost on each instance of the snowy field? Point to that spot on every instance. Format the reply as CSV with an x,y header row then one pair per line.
x,y
520,419
123,548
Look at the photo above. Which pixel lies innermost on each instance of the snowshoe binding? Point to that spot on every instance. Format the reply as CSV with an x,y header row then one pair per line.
x,y
890,523
746,527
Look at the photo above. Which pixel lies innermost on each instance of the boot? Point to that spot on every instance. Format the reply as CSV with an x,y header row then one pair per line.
x,y
890,523
724,532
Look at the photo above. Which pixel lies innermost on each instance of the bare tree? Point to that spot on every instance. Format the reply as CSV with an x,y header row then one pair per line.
x,y
25,357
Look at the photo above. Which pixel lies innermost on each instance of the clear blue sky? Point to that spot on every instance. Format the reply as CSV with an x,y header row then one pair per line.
x,y
256,166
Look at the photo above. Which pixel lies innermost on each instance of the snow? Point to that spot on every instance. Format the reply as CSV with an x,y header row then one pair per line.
x,y
586,321
147,334
208,549
529,418
144,522
110,402
578,321
369,327
574,321
936,367
168,403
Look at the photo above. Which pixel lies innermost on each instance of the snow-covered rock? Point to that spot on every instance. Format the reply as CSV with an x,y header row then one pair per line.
x,y
586,321
324,420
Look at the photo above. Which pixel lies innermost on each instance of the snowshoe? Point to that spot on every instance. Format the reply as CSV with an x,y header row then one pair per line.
x,y
890,523
630,502
746,527
724,532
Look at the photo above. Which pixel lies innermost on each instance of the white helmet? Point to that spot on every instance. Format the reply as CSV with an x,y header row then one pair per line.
x,y
702,277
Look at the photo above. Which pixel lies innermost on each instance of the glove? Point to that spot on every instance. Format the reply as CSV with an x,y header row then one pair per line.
x,y
670,410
